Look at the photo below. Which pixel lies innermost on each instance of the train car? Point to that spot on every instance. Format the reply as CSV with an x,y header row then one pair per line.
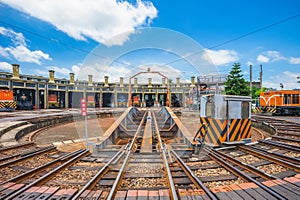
x,y
91,101
224,119
281,102
122,100
23,103
7,102
25,98
136,101
52,101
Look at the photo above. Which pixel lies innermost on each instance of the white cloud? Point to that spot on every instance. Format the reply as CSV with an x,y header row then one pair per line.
x,y
220,57
16,38
3,52
63,71
294,60
262,59
23,54
120,70
5,66
275,56
249,63
41,72
98,20
75,70
287,78
20,51
59,71
270,56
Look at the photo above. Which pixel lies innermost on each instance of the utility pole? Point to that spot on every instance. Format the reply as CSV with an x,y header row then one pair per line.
x,y
260,76
251,80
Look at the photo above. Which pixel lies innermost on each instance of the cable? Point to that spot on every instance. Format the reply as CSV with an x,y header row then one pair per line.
x,y
60,43
181,58
240,37
255,31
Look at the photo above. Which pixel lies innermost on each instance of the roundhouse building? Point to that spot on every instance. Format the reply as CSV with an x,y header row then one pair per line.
x,y
50,92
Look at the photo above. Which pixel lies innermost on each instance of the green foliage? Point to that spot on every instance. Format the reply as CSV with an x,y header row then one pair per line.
x,y
256,92
235,83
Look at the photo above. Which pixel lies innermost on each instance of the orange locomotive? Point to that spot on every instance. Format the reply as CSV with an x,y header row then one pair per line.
x,y
7,102
282,102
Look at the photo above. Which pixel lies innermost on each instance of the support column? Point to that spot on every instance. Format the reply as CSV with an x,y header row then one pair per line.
x,y
84,92
37,96
156,99
251,80
116,99
101,99
143,99
46,96
67,99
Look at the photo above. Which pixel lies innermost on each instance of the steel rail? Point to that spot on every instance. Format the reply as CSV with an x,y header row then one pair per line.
x,y
99,174
256,171
20,154
288,134
166,164
280,145
286,139
169,154
275,160
193,177
117,182
277,155
48,175
42,167
40,151
241,174
16,146
245,166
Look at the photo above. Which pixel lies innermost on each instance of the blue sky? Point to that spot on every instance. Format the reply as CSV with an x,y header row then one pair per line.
x,y
51,34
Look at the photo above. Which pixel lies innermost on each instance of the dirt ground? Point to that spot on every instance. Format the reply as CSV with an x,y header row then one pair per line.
x,y
75,130
96,127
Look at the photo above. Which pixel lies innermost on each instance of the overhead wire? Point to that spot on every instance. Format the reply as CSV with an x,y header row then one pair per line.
x,y
239,37
181,58
61,43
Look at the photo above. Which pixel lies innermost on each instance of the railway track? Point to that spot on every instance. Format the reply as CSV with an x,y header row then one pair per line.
x,y
151,162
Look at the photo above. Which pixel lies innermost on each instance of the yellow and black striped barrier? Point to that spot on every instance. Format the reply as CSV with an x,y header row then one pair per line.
x,y
271,109
258,109
218,132
8,105
53,105
266,109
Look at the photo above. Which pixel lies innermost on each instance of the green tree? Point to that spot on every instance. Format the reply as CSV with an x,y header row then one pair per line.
x,y
235,83
256,92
